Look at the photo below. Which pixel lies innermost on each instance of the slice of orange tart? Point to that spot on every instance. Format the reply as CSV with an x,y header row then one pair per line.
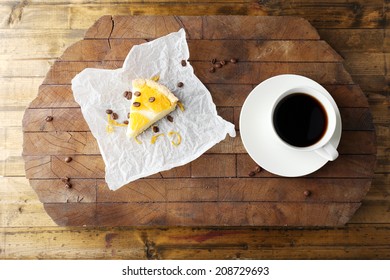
x,y
151,102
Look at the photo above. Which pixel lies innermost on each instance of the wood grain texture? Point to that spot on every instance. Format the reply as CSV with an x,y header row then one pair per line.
x,y
276,46
197,243
195,213
83,143
29,233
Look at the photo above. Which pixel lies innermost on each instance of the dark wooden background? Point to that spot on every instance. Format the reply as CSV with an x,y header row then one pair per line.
x,y
34,33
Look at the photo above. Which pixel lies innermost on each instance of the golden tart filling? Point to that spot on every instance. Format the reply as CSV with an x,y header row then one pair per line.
x,y
151,102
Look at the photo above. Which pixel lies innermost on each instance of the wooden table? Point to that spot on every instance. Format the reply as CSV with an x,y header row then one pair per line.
x,y
356,30
215,189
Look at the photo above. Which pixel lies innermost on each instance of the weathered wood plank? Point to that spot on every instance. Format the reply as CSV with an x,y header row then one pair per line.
x,y
16,190
83,143
47,167
241,251
365,63
380,188
51,43
81,167
335,14
206,50
346,166
223,165
372,212
15,215
54,96
72,214
241,73
21,44
223,95
249,73
147,27
235,27
17,93
201,243
371,83
354,40
220,213
63,120
56,191
234,189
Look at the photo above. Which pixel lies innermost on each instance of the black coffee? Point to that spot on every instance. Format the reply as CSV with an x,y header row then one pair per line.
x,y
300,120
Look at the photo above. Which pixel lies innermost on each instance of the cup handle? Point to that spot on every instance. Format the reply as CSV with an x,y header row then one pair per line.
x,y
328,152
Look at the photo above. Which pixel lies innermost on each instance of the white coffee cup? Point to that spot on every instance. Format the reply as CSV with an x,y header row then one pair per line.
x,y
323,145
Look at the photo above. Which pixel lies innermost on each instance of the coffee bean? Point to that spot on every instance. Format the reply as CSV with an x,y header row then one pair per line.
x,y
126,122
307,193
68,185
233,60
65,179
218,65
223,62
180,84
213,60
128,115
114,116
212,70
68,159
170,118
109,111
49,118
137,93
128,95
136,104
183,63
257,169
251,174
155,129
151,99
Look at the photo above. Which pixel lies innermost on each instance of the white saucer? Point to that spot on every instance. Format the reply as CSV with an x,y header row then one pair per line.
x,y
257,133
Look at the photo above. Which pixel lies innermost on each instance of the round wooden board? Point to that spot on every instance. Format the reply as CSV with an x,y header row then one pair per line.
x,y
196,194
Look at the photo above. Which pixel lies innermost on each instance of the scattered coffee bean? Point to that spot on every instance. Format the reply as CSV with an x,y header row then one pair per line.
x,y
170,118
155,129
183,63
222,62
128,95
68,159
212,70
180,84
126,122
214,60
136,104
68,185
251,174
307,193
128,115
109,111
233,60
257,169
218,65
114,116
65,179
49,118
151,99
137,93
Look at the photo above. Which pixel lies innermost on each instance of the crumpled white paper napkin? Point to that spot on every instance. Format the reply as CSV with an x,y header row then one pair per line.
x,y
199,125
